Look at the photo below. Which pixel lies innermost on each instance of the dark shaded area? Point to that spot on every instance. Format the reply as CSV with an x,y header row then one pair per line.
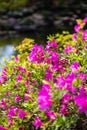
x,y
38,16
81,123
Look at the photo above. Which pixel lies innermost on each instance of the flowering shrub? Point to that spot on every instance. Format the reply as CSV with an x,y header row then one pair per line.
x,y
46,87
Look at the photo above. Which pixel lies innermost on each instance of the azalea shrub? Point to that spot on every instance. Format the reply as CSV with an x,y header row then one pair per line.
x,y
45,87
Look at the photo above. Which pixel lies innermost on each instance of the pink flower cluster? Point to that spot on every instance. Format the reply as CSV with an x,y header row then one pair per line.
x,y
50,83
14,111
44,97
37,54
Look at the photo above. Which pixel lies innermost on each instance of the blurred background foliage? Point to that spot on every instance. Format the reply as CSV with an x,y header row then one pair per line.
x,y
12,4
18,4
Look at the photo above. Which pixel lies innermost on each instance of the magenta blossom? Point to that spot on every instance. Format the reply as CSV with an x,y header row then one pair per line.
x,y
71,88
13,111
74,37
54,56
68,49
2,128
84,35
19,78
69,82
46,87
44,98
51,114
3,103
1,81
60,83
85,20
77,27
16,59
66,98
85,47
4,74
75,66
36,54
21,114
44,101
70,78
81,102
63,110
17,98
26,82
48,75
52,45
37,123
82,76
48,60
21,69
11,122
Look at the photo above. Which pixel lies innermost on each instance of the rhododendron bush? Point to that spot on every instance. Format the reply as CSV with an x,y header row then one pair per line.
x,y
46,87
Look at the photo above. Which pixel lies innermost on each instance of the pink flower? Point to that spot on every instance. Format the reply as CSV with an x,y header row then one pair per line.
x,y
68,49
63,110
82,76
37,123
4,74
51,114
1,81
74,37
85,47
53,61
66,98
26,82
36,54
13,111
69,80
48,75
34,81
60,83
46,87
75,66
71,88
44,102
4,71
3,103
4,77
54,56
2,128
85,20
48,60
16,59
84,35
11,122
19,78
26,97
21,114
44,98
52,45
77,27
17,98
23,70
81,102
